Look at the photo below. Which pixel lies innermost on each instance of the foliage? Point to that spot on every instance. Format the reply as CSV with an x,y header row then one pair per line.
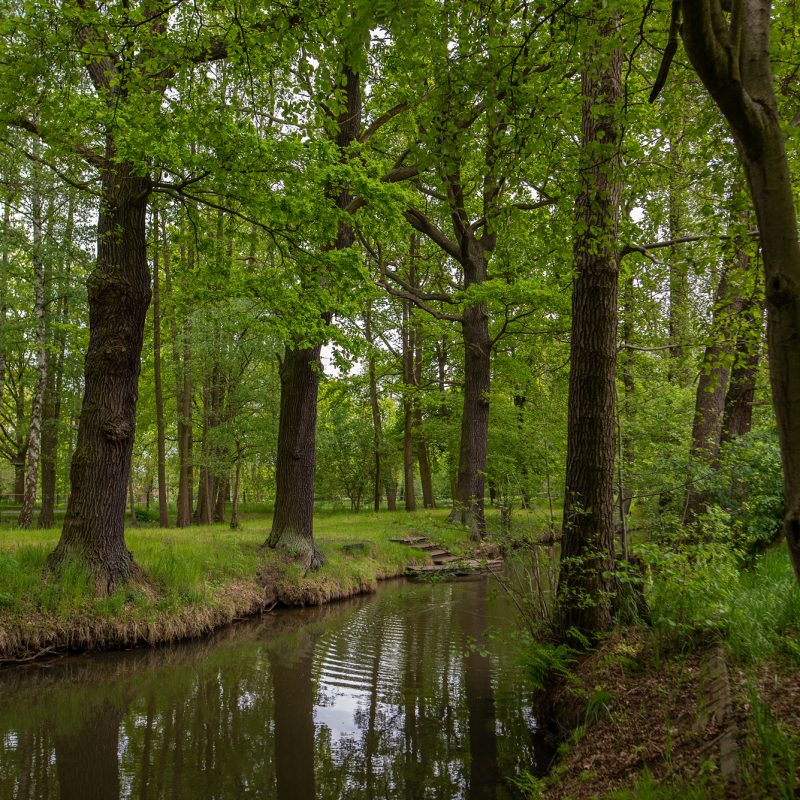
x,y
699,590
747,489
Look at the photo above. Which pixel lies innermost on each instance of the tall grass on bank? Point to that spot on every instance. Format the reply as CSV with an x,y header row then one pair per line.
x,y
196,579
703,590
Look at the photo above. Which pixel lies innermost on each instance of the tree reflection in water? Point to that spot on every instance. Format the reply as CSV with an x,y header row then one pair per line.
x,y
388,696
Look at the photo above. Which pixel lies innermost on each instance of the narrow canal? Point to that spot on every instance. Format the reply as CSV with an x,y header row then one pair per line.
x,y
413,692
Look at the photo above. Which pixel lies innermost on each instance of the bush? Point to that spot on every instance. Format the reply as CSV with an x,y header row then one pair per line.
x,y
748,487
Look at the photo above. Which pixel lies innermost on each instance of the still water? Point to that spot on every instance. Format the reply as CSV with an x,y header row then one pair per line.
x,y
413,692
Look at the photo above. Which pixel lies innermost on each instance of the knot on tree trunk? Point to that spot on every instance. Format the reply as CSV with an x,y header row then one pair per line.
x,y
778,293
117,429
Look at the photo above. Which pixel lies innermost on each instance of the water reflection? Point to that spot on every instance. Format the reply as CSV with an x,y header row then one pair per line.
x,y
401,695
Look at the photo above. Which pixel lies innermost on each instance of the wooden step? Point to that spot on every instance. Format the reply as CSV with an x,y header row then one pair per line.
x,y
411,540
445,558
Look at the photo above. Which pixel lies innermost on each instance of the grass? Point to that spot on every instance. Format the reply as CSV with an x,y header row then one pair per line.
x,y
197,579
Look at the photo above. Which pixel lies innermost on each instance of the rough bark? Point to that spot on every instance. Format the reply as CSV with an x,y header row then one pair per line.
x,y
585,584
292,526
37,400
292,522
468,500
732,58
163,515
119,295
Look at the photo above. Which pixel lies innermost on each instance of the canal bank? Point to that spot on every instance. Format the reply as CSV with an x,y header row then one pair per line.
x,y
197,580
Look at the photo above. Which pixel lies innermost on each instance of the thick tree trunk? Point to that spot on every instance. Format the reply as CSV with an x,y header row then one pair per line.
x,y
391,491
292,523
119,294
163,509
735,67
468,500
37,401
586,585
292,526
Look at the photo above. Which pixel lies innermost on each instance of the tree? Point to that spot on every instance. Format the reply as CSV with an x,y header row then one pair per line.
x,y
731,53
586,583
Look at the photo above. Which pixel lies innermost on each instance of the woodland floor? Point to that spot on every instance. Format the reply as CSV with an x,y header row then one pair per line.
x,y
640,730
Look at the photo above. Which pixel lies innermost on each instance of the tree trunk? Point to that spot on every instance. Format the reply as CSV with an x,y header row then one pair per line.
x,y
4,267
292,522
737,418
735,67
468,500
236,482
52,404
183,378
391,492
408,410
678,277
423,456
712,384
292,526
119,294
377,427
163,511
223,495
132,502
37,401
585,585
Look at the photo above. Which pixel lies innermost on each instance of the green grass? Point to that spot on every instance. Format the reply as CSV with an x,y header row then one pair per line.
x,y
703,592
197,577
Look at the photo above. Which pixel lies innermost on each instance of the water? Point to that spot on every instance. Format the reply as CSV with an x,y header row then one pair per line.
x,y
397,695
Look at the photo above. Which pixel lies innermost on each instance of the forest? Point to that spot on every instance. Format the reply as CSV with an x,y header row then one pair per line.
x,y
284,283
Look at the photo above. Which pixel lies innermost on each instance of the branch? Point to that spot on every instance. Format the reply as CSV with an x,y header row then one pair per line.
x,y
421,223
428,296
418,303
82,185
396,174
86,153
387,116
479,223
643,248
669,52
